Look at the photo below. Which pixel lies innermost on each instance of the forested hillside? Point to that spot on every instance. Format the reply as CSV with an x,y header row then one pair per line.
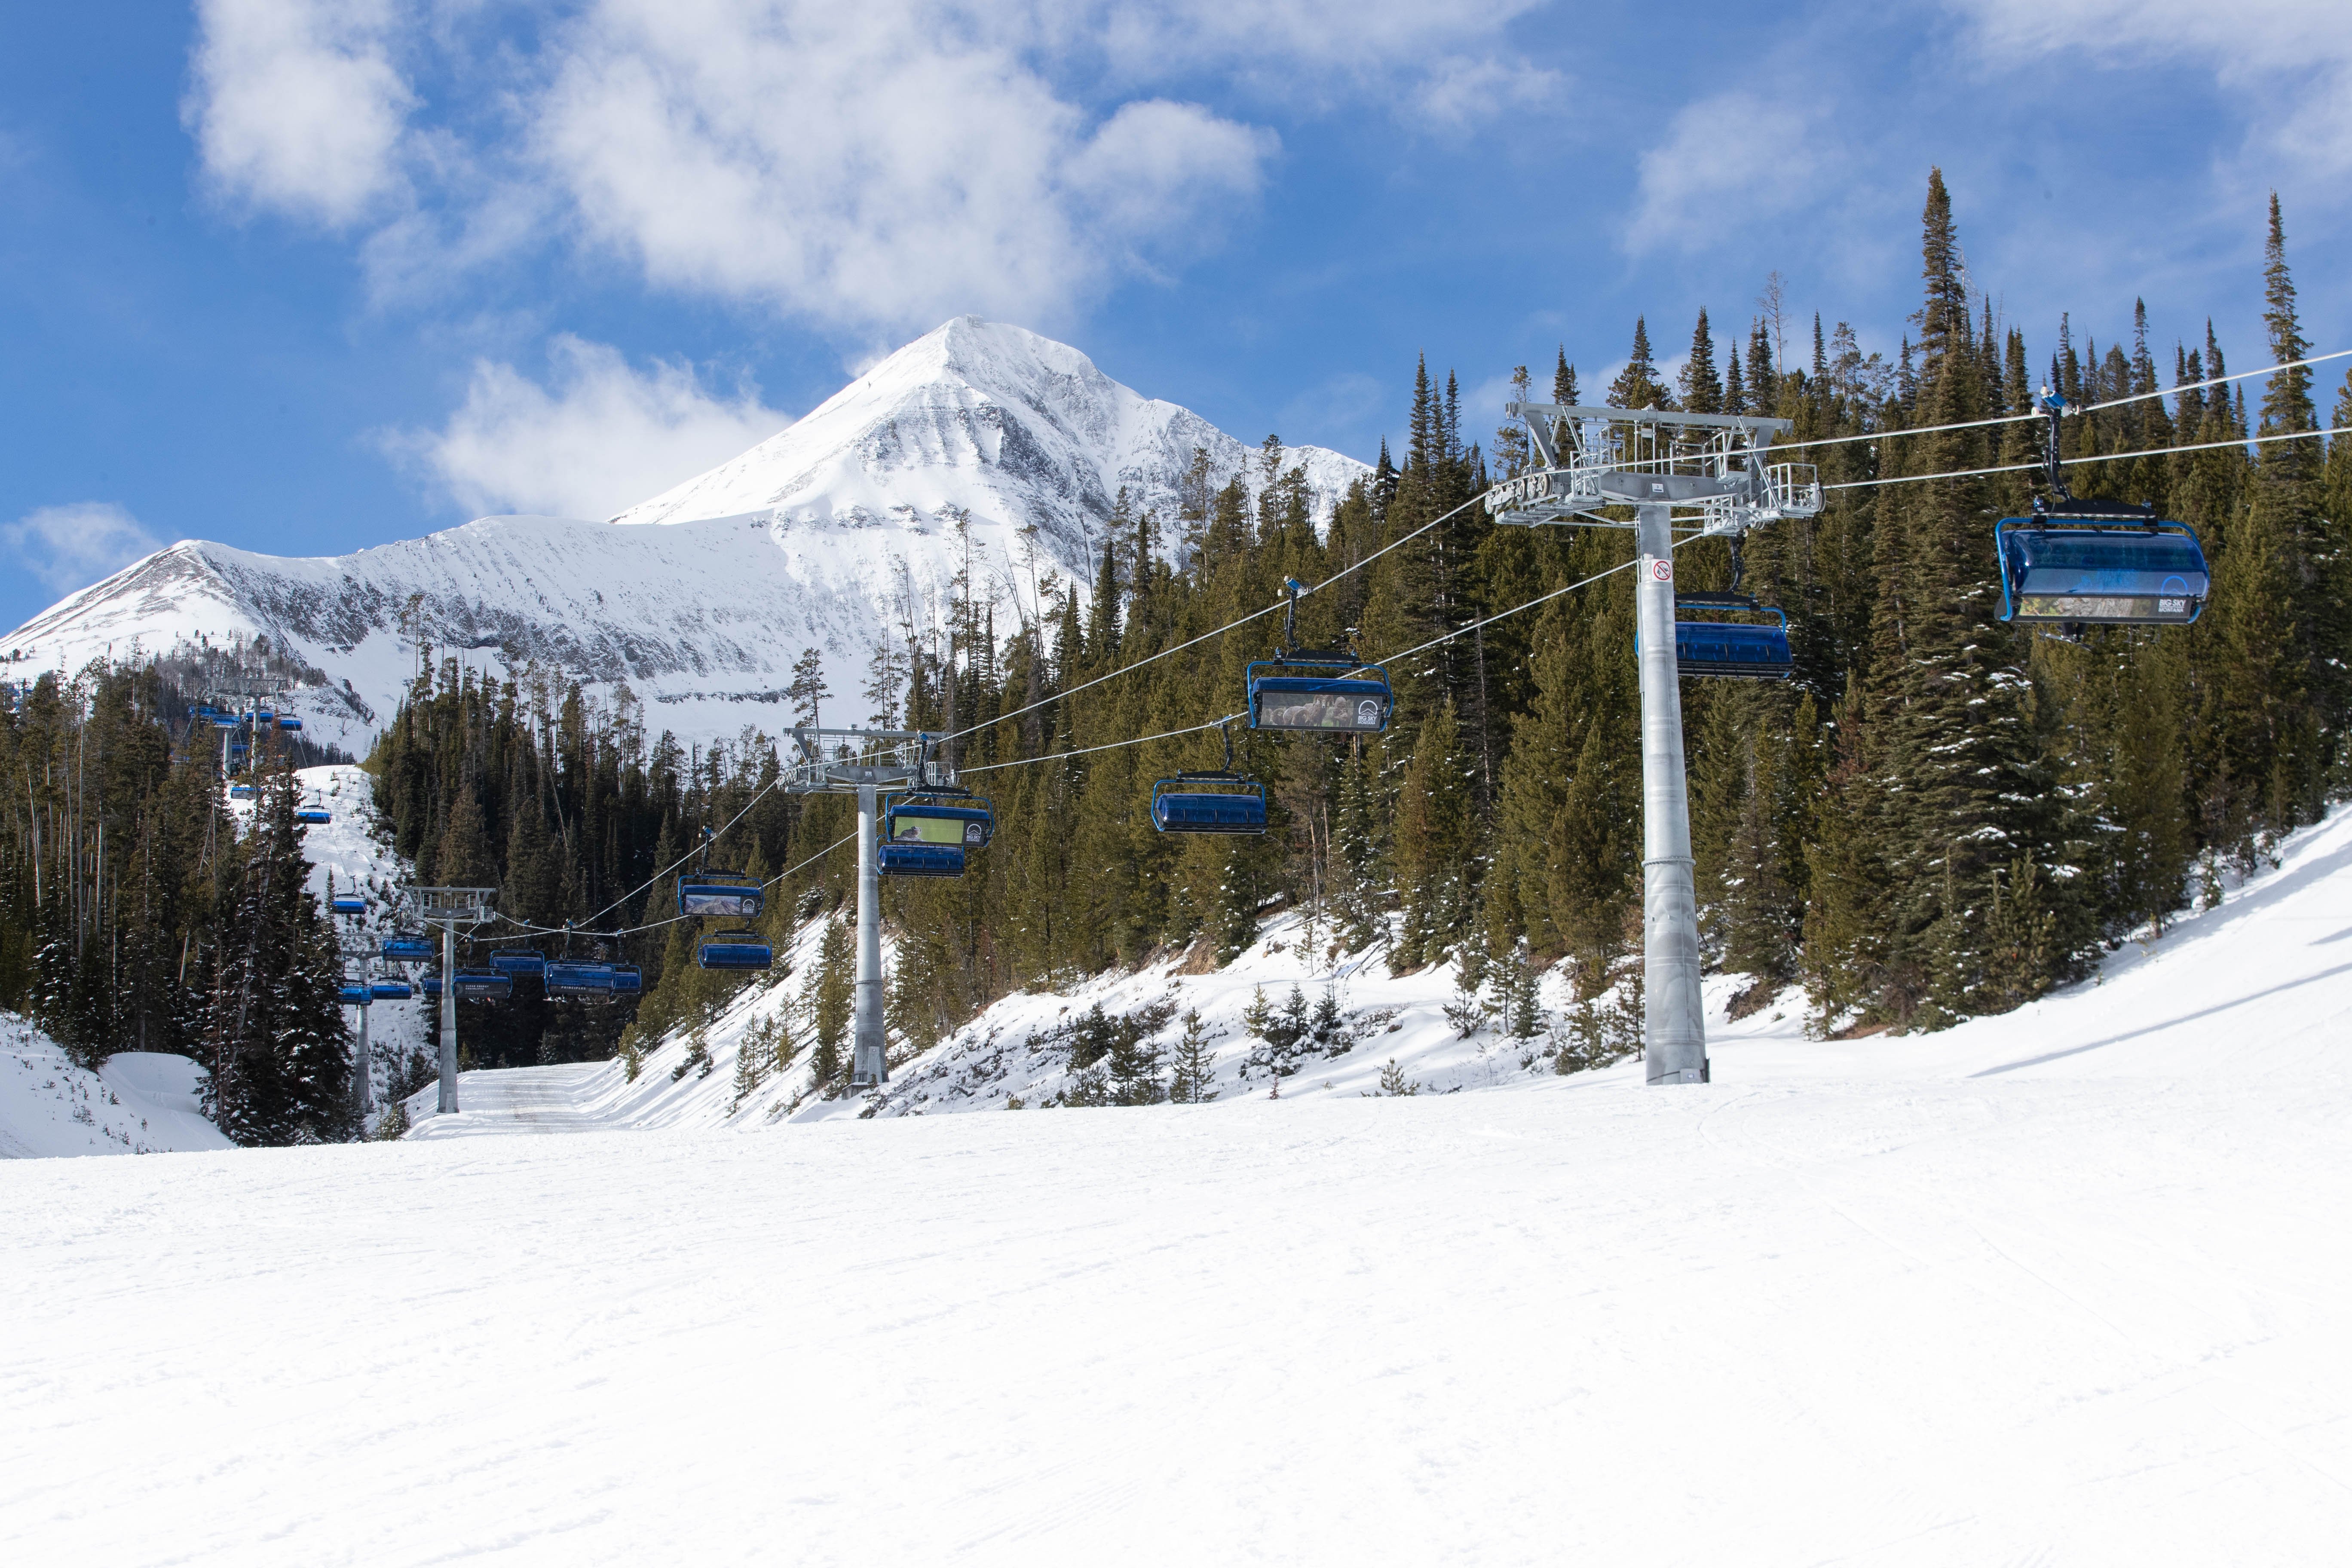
x,y
1939,817
135,914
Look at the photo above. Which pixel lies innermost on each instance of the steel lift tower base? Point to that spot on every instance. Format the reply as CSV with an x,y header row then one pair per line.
x,y
449,908
1710,467
864,762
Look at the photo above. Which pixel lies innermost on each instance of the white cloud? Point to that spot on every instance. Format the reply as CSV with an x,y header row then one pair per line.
x,y
854,165
1154,164
296,104
1726,162
599,438
1443,58
1460,91
64,547
2290,59
870,167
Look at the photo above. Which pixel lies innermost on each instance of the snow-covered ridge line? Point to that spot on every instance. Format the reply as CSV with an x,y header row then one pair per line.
x,y
827,535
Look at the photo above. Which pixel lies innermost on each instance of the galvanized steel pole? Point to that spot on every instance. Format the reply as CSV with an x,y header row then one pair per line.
x,y
363,1068
449,1018
868,1067
1674,1027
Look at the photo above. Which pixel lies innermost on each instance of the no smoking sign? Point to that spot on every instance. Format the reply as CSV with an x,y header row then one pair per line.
x,y
1661,570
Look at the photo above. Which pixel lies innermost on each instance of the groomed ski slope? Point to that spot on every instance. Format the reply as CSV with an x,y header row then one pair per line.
x,y
2066,1286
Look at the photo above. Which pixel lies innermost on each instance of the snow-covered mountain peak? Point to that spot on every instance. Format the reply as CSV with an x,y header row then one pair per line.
x,y
832,534
986,418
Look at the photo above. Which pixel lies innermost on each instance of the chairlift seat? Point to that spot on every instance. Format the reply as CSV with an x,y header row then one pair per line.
x,y
734,950
288,721
968,822
483,985
918,859
1346,698
520,963
578,979
240,791
392,990
2119,572
732,893
1739,650
928,833
313,815
592,982
408,949
346,904
358,996
1181,804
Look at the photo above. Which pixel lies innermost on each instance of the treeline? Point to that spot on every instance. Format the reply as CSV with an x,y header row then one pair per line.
x,y
1939,817
134,915
561,804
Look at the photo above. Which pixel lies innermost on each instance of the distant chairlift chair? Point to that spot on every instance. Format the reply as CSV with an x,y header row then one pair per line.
x,y
2096,563
1210,800
1322,691
928,831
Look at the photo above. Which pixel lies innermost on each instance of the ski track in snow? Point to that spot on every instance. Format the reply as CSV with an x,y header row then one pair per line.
x,y
2062,1287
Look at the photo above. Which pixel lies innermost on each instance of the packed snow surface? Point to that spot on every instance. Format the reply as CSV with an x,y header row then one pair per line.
x,y
2063,1286
137,1102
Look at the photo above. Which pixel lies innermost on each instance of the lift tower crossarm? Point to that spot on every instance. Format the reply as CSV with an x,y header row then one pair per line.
x,y
1595,456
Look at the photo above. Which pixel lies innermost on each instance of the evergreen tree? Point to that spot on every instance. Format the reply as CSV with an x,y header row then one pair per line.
x,y
832,999
1702,388
1194,1065
1433,843
278,1055
1637,385
807,692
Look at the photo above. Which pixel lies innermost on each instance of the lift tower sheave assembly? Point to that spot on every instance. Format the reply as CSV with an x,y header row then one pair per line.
x,y
863,762
449,908
1709,468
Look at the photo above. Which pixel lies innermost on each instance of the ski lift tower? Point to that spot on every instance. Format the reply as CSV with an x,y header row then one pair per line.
x,y
864,762
361,949
449,908
1699,476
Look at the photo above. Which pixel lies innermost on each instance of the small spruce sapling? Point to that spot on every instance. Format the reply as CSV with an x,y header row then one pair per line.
x,y
1283,1031
698,1056
1196,1067
1519,986
1328,1030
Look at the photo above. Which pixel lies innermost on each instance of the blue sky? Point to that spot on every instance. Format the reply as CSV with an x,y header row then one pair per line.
x,y
304,276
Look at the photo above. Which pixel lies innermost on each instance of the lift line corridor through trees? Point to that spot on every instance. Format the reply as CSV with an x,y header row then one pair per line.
x,y
1699,476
